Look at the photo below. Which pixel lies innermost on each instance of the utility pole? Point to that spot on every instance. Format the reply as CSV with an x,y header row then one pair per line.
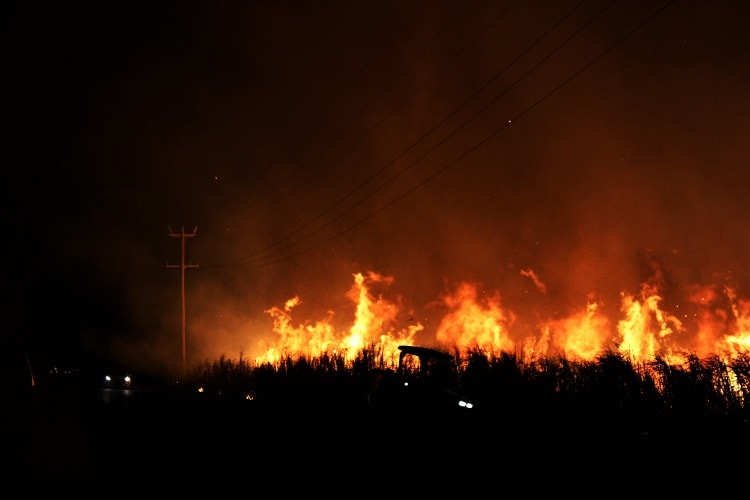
x,y
182,235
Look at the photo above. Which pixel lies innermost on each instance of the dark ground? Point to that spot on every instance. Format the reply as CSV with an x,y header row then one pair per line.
x,y
174,445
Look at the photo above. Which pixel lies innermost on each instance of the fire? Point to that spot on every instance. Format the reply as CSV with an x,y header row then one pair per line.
x,y
311,339
646,329
711,318
582,336
375,327
739,341
472,323
714,321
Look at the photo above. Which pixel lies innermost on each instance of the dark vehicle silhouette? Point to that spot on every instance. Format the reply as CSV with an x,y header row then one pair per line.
x,y
426,379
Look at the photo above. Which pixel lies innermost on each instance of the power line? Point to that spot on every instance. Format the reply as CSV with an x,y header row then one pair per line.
x,y
258,256
450,115
369,60
360,186
384,88
488,137
495,132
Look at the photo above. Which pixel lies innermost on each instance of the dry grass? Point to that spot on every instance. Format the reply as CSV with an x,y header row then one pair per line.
x,y
610,387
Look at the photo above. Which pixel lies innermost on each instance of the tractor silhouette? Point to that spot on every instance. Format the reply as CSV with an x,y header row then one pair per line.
x,y
426,379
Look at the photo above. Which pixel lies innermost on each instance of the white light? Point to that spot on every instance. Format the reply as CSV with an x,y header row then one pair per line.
x,y
107,378
127,379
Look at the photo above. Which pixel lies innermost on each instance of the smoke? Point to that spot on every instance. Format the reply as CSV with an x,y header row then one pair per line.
x,y
407,140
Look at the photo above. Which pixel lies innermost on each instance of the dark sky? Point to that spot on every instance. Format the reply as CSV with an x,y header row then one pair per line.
x,y
434,142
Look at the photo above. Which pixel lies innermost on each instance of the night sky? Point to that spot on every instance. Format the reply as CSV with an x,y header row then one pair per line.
x,y
596,143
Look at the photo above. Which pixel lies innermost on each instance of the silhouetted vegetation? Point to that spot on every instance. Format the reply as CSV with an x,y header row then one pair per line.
x,y
326,425
609,389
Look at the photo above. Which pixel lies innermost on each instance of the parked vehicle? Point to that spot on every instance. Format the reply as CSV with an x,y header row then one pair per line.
x,y
426,379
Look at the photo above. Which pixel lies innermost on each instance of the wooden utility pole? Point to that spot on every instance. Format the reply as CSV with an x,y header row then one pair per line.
x,y
182,235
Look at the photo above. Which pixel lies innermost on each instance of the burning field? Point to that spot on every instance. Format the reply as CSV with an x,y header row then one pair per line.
x,y
706,321
587,402
552,195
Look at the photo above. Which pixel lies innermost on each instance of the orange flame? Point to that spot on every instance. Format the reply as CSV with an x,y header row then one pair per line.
x,y
581,336
470,323
374,327
738,341
646,330
311,339
714,321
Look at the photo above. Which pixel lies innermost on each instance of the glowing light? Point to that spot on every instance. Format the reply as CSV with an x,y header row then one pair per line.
x,y
713,321
475,323
375,326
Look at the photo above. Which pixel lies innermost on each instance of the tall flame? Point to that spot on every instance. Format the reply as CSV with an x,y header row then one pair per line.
x,y
646,330
472,323
582,336
715,321
375,327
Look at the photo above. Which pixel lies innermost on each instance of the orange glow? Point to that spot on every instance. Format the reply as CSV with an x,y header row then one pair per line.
x,y
582,336
739,340
374,327
714,321
478,324
311,339
646,330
